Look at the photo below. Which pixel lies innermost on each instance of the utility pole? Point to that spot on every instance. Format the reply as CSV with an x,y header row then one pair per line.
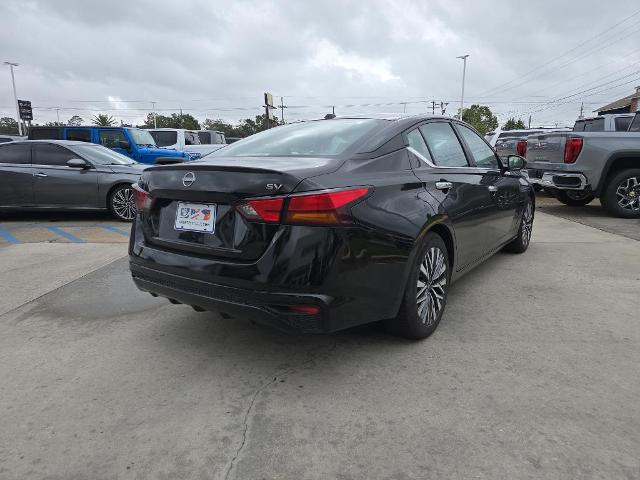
x,y
581,110
443,107
153,107
464,72
529,122
433,107
15,95
404,107
282,107
58,115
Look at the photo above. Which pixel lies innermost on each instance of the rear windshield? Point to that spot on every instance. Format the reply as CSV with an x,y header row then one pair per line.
x,y
165,138
635,124
579,126
592,125
317,138
622,123
205,138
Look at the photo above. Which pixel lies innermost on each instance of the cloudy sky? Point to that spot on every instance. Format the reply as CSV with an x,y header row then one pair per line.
x,y
215,59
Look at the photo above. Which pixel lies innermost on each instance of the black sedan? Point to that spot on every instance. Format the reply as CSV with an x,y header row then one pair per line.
x,y
59,174
324,225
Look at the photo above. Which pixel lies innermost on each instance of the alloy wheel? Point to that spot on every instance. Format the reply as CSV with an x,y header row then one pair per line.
x,y
431,284
527,223
628,194
124,204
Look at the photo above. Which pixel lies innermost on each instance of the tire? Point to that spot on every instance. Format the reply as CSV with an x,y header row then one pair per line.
x,y
522,241
121,203
429,279
621,194
575,198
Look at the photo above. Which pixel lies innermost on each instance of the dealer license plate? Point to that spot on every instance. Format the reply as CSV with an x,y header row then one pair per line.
x,y
196,217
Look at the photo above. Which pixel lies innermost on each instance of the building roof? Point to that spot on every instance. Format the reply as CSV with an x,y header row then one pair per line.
x,y
623,102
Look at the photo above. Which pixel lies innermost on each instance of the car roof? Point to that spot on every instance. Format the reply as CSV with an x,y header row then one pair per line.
x,y
57,142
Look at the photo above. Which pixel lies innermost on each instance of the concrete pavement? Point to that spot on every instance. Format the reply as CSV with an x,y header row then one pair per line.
x,y
533,373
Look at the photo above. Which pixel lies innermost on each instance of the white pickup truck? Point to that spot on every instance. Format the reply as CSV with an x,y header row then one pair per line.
x,y
610,122
184,141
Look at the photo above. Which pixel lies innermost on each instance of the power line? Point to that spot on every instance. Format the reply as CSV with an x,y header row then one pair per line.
x,y
536,69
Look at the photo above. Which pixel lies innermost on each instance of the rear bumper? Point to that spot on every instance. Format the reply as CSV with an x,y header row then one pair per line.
x,y
559,180
342,272
259,306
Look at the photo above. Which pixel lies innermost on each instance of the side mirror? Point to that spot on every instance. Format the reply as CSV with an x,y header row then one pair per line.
x,y
124,144
77,163
516,162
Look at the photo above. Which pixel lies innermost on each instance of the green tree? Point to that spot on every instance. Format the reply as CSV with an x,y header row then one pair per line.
x,y
480,117
244,128
175,120
103,120
54,124
75,121
8,125
512,124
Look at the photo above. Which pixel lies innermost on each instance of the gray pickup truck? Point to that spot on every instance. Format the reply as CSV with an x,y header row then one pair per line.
x,y
579,166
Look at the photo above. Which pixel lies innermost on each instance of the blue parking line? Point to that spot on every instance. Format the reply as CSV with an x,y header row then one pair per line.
x,y
67,235
4,233
111,228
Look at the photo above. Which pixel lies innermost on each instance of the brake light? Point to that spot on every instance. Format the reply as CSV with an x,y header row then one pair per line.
x,y
572,149
329,207
322,208
521,148
141,197
263,209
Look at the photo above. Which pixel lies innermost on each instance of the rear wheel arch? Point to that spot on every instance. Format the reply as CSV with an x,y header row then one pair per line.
x,y
112,189
613,165
447,236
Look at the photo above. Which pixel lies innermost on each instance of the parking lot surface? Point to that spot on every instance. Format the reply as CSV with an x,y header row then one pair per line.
x,y
533,373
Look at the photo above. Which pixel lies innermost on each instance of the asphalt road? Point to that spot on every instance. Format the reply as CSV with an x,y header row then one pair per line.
x,y
533,373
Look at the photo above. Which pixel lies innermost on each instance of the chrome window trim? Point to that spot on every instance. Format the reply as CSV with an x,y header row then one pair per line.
x,y
432,165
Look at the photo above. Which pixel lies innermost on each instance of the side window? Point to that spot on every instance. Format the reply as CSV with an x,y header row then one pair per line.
x,y
444,145
205,138
622,123
111,138
414,137
482,154
190,138
80,135
20,154
48,154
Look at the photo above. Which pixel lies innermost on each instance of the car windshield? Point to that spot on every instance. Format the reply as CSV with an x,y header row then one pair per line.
x,y
142,138
317,138
101,155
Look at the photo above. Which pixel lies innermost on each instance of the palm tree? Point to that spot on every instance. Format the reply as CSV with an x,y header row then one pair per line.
x,y
103,120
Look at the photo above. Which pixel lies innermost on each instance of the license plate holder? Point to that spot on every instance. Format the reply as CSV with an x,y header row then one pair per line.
x,y
195,217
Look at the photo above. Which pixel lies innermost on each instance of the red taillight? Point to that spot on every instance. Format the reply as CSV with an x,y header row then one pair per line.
x,y
521,148
263,209
141,197
304,309
327,207
572,149
322,208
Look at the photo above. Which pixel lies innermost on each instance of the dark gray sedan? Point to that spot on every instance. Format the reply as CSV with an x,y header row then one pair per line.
x,y
59,174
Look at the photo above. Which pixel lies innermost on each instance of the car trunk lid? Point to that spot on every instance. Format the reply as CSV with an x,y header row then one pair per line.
x,y
547,147
221,184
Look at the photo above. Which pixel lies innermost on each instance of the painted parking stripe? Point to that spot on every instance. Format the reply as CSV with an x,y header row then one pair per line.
x,y
67,235
111,228
6,235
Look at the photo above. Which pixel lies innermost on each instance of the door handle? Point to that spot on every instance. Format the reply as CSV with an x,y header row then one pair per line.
x,y
40,174
444,185
493,188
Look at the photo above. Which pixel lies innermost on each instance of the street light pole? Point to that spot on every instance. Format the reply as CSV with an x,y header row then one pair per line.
x,y
153,106
15,95
464,72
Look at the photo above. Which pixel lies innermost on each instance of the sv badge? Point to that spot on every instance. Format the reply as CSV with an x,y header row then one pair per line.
x,y
274,186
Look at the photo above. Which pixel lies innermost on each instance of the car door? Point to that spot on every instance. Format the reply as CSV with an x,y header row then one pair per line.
x,y
56,184
503,186
16,175
444,169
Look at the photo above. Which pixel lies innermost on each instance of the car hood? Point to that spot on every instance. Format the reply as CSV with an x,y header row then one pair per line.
x,y
160,152
135,169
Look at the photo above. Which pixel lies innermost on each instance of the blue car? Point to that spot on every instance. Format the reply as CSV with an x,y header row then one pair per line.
x,y
135,143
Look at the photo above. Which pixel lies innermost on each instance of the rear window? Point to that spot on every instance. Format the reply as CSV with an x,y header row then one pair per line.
x,y
165,139
305,139
622,123
579,126
635,124
79,135
595,125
